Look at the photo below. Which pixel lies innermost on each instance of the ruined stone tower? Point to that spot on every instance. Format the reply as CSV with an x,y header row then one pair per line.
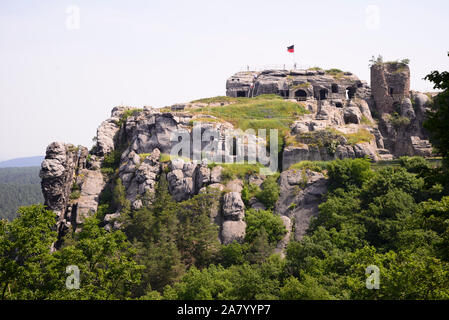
x,y
390,85
400,112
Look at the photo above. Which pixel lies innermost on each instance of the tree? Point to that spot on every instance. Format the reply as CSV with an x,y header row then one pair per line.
x,y
438,119
25,255
402,275
106,264
271,223
154,232
259,248
348,172
270,191
307,289
197,234
233,253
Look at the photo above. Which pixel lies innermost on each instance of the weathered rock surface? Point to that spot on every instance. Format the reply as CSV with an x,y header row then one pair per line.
x,y
296,84
339,125
58,171
233,231
301,193
91,188
233,206
280,248
107,131
139,176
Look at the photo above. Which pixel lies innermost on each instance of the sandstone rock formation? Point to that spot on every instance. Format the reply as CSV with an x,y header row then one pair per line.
x,y
346,119
401,112
298,84
301,193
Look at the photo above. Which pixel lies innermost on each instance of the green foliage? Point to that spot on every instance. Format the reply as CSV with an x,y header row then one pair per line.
x,y
198,237
128,113
261,112
153,231
317,166
271,223
362,135
398,121
366,121
322,138
76,194
405,275
374,220
303,85
170,250
142,156
106,264
417,165
25,257
347,172
18,187
438,119
436,217
164,157
270,191
238,170
13,196
249,191
119,201
334,70
111,161
19,176
336,73
308,289
219,99
244,282
389,179
233,253
376,61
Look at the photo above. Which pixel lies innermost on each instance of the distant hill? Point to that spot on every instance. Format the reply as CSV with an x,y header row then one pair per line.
x,y
22,162
18,187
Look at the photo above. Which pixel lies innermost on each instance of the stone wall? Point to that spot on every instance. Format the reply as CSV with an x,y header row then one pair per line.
x,y
298,84
390,84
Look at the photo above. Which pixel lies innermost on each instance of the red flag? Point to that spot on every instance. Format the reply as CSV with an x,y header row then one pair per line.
x,y
291,48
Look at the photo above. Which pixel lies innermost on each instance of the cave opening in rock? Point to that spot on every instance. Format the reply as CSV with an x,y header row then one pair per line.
x,y
241,94
301,95
323,94
234,146
390,91
284,93
350,92
338,104
334,88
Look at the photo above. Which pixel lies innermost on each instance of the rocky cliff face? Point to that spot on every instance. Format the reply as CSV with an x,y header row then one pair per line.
x,y
401,112
134,145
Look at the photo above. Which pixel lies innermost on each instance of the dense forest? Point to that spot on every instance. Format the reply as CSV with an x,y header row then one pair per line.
x,y
18,187
394,217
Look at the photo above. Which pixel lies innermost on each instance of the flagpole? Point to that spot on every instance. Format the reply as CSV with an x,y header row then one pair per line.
x,y
291,49
293,59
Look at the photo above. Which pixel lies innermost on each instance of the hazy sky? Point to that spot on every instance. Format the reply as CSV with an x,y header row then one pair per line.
x,y
60,76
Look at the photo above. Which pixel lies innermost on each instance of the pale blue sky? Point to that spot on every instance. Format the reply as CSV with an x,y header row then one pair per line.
x,y
58,84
